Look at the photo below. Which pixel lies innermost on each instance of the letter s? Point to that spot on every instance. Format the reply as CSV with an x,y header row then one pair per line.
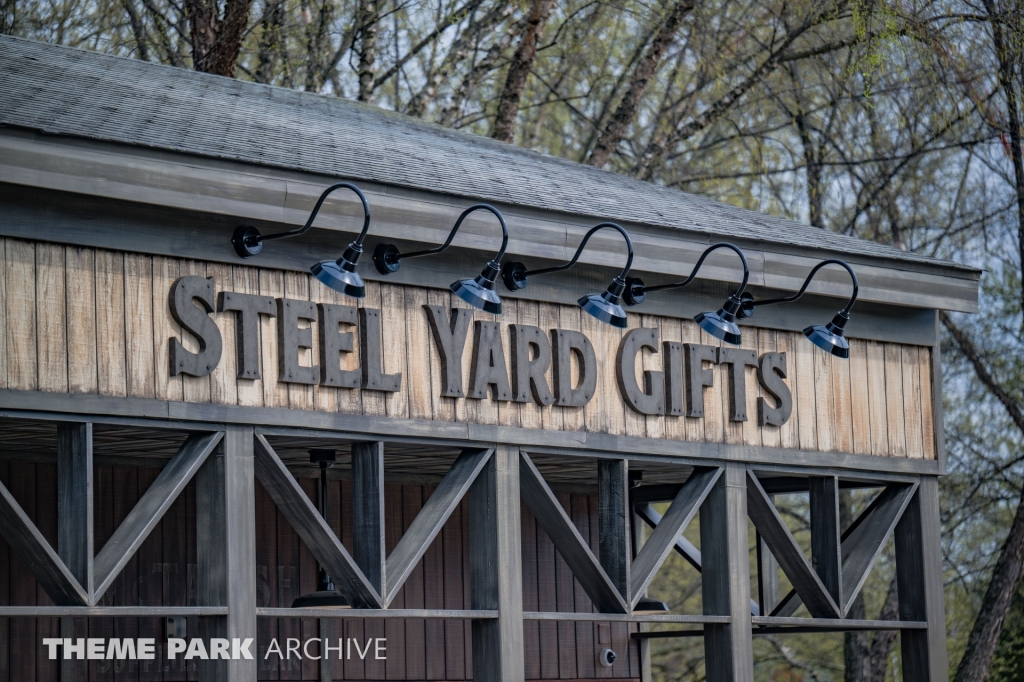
x,y
195,321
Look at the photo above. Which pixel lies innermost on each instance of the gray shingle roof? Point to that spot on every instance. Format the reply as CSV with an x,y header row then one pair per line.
x,y
73,92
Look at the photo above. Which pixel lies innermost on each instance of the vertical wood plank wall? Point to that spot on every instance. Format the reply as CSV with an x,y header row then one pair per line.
x,y
93,321
163,573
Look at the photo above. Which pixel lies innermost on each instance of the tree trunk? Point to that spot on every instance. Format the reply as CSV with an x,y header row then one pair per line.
x,y
216,40
518,70
138,30
367,49
881,645
813,168
642,74
989,625
271,40
1011,91
450,113
8,16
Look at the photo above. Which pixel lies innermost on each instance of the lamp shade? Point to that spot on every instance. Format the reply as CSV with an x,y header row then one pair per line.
x,y
341,276
606,306
323,599
829,337
722,325
648,606
719,326
479,292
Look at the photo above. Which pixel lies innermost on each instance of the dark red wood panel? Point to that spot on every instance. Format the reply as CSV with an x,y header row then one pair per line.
x,y
5,592
394,630
433,598
23,584
412,593
150,582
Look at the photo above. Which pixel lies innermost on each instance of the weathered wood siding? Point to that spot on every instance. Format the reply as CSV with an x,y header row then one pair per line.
x,y
83,320
163,573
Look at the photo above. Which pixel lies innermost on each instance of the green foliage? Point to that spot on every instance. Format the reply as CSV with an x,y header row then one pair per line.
x,y
1008,663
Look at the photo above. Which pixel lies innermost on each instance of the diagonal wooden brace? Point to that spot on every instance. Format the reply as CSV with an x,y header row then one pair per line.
x,y
683,547
311,527
431,519
861,544
567,539
684,507
791,558
148,511
29,544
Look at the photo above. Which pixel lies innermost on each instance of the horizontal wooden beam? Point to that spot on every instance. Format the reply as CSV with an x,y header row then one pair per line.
x,y
431,519
38,404
148,511
109,611
448,614
843,623
567,540
29,544
297,508
623,617
765,630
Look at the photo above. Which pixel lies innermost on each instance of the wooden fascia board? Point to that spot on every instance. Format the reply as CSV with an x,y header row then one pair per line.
x,y
251,193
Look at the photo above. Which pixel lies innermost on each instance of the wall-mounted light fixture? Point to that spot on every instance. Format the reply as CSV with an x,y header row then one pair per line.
x,y
478,292
828,337
722,324
339,275
606,306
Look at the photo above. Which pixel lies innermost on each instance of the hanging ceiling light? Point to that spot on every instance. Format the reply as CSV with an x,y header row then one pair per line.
x,y
649,607
339,275
606,306
828,337
326,596
722,324
478,292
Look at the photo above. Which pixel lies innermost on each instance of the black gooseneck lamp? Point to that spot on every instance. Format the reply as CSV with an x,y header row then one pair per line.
x,y
722,324
339,275
828,337
326,596
606,306
478,292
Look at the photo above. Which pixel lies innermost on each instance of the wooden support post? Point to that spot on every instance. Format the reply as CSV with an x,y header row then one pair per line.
x,y
725,578
826,555
368,511
767,578
74,501
67,665
919,582
613,521
495,567
226,552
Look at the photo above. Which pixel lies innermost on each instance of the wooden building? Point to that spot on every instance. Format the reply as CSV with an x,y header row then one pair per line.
x,y
160,396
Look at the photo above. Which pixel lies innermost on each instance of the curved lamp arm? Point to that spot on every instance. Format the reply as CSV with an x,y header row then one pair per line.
x,y
248,241
387,256
515,275
700,262
810,276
